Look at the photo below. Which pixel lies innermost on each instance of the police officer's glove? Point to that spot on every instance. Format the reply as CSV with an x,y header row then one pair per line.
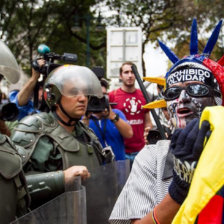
x,y
186,147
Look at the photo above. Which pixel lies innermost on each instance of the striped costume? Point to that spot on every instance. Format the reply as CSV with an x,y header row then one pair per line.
x,y
146,185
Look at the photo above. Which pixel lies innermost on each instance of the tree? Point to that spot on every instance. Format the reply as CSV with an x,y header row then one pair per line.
x,y
164,19
208,13
152,16
26,24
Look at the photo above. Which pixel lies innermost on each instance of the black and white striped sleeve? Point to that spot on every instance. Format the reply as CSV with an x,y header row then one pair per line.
x,y
143,189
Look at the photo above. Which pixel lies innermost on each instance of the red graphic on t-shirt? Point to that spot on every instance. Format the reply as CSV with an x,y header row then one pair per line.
x,y
131,105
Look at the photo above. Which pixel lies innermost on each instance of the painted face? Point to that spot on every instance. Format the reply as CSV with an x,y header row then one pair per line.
x,y
127,76
185,108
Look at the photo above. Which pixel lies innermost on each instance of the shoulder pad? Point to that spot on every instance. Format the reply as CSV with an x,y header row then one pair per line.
x,y
35,122
10,161
47,119
28,128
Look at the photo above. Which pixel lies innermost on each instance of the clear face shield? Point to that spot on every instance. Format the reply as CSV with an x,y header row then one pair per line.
x,y
74,80
8,65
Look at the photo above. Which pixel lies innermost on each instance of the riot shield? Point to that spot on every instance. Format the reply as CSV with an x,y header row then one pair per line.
x,y
92,202
69,208
103,188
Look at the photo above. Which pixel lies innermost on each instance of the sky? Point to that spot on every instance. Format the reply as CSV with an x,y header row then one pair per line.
x,y
156,61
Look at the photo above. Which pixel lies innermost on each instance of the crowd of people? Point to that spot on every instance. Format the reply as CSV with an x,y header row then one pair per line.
x,y
81,126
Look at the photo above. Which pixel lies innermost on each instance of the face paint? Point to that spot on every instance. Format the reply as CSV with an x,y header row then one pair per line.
x,y
185,108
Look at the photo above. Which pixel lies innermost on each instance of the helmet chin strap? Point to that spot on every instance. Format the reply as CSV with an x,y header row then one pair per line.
x,y
69,123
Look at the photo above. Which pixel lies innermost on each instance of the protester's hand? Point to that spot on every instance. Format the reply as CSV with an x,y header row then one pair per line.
x,y
186,147
74,171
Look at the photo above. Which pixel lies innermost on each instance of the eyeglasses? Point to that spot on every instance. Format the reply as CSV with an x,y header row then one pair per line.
x,y
194,90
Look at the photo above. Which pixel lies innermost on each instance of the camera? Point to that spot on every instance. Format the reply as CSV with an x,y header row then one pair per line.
x,y
8,112
49,65
49,58
97,105
154,134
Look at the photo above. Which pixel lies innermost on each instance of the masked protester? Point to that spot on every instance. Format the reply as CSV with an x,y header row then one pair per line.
x,y
58,141
162,173
14,195
204,202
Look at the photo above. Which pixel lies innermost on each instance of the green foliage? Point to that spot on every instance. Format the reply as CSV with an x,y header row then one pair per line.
x,y
26,24
168,20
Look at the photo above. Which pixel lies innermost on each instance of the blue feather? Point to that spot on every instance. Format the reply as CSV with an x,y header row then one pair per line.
x,y
194,38
212,40
168,52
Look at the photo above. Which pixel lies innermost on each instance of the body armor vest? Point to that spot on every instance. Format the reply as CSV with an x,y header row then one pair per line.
x,y
14,197
74,151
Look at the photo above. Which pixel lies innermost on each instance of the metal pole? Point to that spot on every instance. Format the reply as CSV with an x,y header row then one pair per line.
x,y
145,94
87,41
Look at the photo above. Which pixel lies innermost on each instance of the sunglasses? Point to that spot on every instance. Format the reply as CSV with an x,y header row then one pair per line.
x,y
193,90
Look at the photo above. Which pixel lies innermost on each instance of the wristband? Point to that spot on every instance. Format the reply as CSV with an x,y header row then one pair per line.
x,y
117,117
154,217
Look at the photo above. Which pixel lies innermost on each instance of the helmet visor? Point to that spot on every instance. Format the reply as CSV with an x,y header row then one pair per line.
x,y
8,65
74,80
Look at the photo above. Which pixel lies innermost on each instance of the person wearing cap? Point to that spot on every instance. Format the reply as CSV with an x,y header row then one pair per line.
x,y
57,141
162,173
111,126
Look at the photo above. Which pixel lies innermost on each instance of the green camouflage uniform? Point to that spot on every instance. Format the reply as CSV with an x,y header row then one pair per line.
x,y
47,146
14,197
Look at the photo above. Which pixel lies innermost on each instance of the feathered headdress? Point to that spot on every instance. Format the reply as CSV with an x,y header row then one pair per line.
x,y
216,68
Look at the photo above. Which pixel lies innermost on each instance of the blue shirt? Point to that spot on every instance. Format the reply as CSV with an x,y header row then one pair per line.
x,y
23,110
108,134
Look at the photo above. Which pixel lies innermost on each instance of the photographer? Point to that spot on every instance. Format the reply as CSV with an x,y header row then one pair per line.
x,y
22,98
111,127
26,92
41,65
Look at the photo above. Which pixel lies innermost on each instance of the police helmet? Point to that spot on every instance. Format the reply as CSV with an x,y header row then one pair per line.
x,y
70,80
8,65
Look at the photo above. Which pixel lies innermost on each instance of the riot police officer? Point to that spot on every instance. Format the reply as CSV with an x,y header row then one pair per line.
x,y
58,140
14,195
